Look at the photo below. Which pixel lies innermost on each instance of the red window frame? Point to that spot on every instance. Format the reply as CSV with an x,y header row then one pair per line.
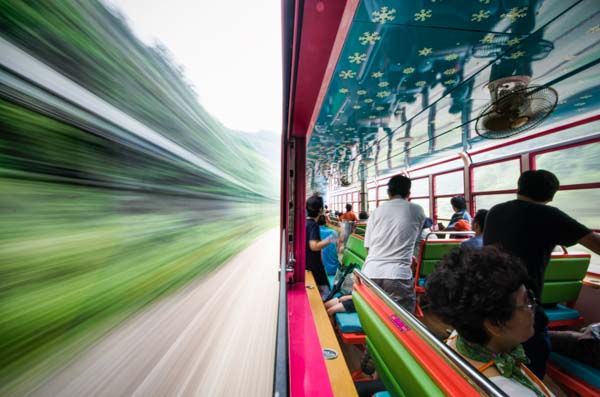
x,y
435,196
475,193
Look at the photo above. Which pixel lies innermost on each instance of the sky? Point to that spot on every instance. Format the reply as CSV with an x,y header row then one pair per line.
x,y
230,51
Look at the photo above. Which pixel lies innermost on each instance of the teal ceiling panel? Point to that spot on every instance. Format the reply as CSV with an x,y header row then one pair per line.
x,y
408,87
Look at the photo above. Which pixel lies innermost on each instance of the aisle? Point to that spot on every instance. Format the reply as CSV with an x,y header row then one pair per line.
x,y
214,338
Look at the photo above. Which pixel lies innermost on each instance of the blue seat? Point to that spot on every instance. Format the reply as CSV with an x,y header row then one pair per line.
x,y
331,279
348,322
580,370
382,394
422,281
561,312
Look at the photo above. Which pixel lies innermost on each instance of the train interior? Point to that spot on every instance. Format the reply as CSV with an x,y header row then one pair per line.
x,y
461,97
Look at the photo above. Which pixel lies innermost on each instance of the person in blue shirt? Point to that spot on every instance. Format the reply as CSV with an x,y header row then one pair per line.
x,y
459,205
476,242
329,253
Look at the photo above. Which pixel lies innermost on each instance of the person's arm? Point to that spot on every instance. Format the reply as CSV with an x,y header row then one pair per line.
x,y
591,241
319,245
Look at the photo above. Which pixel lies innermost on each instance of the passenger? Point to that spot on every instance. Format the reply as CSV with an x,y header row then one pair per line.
x,y
349,216
329,253
461,226
476,242
314,244
482,294
390,238
529,229
363,216
459,205
343,304
348,220
425,234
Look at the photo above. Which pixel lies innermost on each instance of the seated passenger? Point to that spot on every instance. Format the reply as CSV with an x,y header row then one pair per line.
x,y
363,216
461,226
476,242
314,244
459,206
329,253
481,293
343,304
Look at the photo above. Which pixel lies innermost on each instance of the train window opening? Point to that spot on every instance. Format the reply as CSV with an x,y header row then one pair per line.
x,y
496,176
424,203
576,165
450,183
487,201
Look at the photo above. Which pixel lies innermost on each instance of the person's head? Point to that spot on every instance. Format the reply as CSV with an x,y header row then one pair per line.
x,y
458,203
362,215
348,207
538,185
314,206
479,221
399,186
481,293
321,221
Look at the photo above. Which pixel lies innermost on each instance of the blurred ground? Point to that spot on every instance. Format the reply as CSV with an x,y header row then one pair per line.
x,y
216,337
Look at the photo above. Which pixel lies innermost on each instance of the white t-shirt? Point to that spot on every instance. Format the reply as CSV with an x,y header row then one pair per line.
x,y
514,388
391,233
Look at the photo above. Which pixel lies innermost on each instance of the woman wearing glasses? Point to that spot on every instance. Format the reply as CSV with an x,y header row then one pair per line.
x,y
482,294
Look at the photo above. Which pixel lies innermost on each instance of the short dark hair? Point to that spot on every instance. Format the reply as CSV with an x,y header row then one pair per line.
x,y
399,185
471,286
348,207
362,215
459,202
314,205
479,218
321,220
538,185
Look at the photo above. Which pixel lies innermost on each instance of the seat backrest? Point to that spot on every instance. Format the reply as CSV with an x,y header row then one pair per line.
x,y
407,365
563,277
430,253
357,245
350,258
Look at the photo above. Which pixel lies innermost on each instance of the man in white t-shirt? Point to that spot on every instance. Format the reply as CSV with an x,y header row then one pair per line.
x,y
390,239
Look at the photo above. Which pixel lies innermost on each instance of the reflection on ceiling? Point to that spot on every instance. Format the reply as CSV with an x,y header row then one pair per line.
x,y
412,77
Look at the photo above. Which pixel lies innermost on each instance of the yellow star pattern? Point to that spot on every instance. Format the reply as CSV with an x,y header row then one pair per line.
x,y
343,90
513,41
451,57
425,51
421,83
377,75
383,84
408,70
449,71
516,54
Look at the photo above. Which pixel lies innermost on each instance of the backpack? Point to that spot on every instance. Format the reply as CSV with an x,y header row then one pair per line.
x,y
342,283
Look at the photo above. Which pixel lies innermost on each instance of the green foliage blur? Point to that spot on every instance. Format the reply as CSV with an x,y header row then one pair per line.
x,y
92,228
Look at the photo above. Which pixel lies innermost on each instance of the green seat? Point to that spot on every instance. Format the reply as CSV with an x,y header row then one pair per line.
x,y
350,257
433,251
357,246
563,278
399,370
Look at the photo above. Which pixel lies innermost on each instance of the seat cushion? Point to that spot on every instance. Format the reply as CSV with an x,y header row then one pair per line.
x,y
561,312
382,394
582,371
331,279
348,322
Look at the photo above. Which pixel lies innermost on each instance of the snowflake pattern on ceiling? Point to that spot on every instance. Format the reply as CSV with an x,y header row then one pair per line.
x,y
421,83
516,54
488,38
450,81
408,70
357,58
347,74
368,100
594,29
361,92
423,15
451,57
513,41
480,16
425,51
383,84
356,107
377,75
384,15
380,108
343,90
369,38
515,13
450,71
585,97
383,94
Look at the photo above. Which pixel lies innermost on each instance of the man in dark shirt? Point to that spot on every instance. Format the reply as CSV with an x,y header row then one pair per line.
x,y
314,244
529,229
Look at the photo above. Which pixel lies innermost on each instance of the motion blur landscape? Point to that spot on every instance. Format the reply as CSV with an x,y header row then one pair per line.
x,y
118,187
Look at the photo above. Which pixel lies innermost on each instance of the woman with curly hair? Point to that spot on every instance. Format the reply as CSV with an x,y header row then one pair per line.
x,y
483,296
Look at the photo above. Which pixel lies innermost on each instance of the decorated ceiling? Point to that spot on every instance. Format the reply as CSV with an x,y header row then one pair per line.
x,y
412,77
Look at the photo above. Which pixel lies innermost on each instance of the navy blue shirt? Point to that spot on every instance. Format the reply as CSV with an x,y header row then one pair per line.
x,y
313,258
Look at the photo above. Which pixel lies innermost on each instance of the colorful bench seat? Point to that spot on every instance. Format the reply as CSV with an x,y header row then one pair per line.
x,y
574,375
563,281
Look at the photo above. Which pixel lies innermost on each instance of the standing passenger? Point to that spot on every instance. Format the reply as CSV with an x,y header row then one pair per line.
x,y
348,219
529,229
390,238
314,244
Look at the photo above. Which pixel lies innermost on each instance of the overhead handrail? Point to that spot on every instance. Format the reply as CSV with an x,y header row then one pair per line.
x,y
463,368
281,373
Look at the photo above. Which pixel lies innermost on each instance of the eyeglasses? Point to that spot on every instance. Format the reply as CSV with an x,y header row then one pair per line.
x,y
531,304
